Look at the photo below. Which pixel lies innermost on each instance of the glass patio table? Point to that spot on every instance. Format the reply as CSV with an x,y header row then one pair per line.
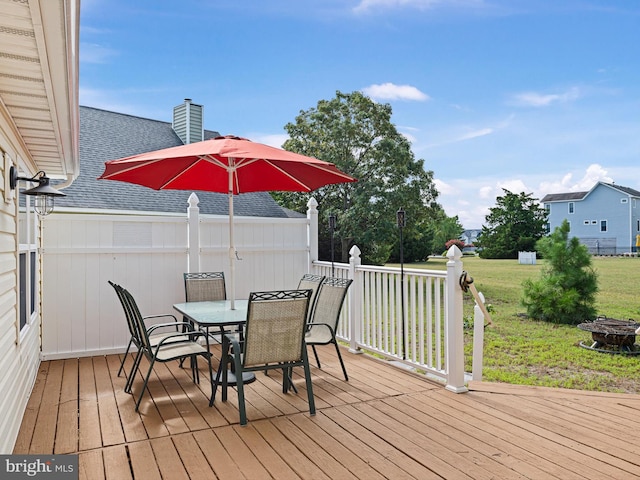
x,y
217,315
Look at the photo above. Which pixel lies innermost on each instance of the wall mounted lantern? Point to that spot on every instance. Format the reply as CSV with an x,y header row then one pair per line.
x,y
43,192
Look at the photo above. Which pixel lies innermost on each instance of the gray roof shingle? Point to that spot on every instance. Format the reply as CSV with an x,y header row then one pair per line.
x,y
106,135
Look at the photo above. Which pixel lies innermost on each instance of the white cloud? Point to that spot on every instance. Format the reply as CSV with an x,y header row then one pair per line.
x,y
94,53
367,6
274,140
475,134
535,99
443,187
390,91
593,174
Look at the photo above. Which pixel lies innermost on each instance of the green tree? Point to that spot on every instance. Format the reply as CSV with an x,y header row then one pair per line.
x,y
566,291
514,225
356,134
445,229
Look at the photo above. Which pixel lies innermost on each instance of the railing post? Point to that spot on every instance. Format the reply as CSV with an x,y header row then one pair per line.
x,y
312,232
355,300
193,234
454,332
478,340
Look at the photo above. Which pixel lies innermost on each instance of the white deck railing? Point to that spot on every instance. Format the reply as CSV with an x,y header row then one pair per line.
x,y
410,316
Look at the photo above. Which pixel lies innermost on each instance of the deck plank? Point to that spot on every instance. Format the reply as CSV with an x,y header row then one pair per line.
x,y
90,435
45,429
67,429
213,450
23,442
116,463
143,461
384,422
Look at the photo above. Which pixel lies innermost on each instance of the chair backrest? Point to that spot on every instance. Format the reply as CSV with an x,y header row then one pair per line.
x,y
311,282
130,320
204,286
329,301
275,326
137,319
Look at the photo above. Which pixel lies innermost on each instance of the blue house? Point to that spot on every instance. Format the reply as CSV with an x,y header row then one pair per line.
x,y
606,218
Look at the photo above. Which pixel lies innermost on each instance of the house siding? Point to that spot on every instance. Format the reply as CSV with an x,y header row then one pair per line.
x,y
603,203
19,351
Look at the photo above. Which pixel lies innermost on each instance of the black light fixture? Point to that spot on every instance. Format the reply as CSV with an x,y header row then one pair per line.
x,y
43,192
401,219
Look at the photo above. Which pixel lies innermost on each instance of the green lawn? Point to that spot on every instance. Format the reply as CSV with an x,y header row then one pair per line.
x,y
523,351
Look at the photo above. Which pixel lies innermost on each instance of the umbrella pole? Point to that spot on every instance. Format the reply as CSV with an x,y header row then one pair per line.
x,y
232,250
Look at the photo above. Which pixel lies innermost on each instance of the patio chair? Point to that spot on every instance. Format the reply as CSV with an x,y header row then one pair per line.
x,y
204,286
133,340
321,330
173,347
311,282
274,339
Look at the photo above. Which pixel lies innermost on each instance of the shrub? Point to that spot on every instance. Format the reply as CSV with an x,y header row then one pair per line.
x,y
454,241
566,291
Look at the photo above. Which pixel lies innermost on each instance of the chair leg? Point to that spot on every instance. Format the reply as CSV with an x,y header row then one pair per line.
x,y
344,370
146,380
307,378
240,388
316,355
125,357
287,380
134,370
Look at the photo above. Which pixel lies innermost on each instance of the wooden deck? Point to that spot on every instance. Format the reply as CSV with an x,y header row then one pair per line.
x,y
383,423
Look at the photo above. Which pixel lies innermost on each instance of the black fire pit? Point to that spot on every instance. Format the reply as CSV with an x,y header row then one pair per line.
x,y
611,335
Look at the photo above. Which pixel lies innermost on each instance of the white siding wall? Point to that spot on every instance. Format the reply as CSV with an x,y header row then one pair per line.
x,y
19,354
148,255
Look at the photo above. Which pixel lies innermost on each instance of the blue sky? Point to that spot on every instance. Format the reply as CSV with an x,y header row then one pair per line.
x,y
535,96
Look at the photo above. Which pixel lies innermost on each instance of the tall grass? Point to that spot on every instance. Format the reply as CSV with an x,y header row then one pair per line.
x,y
523,351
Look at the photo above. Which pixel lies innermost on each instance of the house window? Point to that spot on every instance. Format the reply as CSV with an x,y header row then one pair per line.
x,y
571,207
27,264
594,222
624,200
586,222
603,225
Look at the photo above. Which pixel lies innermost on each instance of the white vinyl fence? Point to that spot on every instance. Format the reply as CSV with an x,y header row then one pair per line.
x,y
148,254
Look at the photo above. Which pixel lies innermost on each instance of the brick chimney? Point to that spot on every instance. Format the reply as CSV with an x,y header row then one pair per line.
x,y
188,122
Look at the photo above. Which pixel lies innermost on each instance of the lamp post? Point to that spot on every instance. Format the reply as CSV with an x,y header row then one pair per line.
x,y
332,229
402,222
43,192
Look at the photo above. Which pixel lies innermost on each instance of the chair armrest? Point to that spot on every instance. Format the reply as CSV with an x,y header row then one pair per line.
x,y
326,325
187,326
160,316
233,340
192,336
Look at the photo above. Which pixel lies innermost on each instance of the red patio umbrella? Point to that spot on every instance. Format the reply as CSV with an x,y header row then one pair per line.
x,y
229,165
